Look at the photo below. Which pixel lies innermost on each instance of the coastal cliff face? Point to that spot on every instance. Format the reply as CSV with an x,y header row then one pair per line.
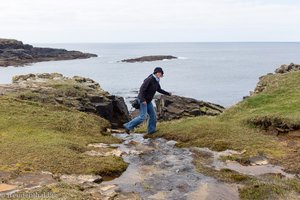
x,y
80,93
15,53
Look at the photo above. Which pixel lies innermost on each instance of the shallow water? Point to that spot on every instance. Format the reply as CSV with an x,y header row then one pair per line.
x,y
255,170
159,170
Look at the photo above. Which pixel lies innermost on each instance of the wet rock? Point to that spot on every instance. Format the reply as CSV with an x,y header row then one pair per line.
x,y
149,58
79,93
80,179
33,180
175,107
112,192
99,145
171,143
15,53
165,172
114,152
258,160
128,196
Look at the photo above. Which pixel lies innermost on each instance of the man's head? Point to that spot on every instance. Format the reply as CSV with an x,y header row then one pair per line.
x,y
158,71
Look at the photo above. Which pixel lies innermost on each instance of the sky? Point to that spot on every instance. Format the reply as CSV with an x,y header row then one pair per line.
x,y
72,21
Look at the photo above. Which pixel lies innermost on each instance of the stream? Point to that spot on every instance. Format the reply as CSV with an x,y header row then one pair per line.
x,y
159,170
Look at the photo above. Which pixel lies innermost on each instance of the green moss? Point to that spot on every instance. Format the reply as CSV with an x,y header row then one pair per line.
x,y
38,137
273,189
261,191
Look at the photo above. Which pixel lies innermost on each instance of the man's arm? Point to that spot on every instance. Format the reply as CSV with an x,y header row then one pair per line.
x,y
163,91
144,88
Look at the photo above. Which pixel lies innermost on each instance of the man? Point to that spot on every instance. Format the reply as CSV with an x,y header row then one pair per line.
x,y
146,94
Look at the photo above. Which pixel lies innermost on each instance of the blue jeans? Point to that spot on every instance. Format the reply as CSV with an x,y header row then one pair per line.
x,y
144,110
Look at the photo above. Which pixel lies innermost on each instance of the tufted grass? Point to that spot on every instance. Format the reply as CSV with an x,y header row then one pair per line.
x,y
37,137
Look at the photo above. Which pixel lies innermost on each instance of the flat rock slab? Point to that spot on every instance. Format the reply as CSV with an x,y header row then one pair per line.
x,y
114,152
109,192
32,180
6,187
80,179
99,145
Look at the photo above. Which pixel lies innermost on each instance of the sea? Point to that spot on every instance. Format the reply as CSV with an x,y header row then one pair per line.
x,y
221,73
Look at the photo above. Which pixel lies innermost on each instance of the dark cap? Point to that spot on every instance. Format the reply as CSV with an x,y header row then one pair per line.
x,y
158,69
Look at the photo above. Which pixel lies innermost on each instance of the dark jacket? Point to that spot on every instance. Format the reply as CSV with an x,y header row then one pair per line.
x,y
148,89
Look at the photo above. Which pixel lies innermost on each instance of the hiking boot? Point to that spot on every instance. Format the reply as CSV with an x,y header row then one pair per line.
x,y
126,129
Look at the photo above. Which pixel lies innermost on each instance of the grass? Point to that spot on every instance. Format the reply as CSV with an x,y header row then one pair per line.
x,y
274,189
37,137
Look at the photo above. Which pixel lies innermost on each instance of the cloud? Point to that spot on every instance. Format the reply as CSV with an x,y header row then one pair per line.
x,y
149,20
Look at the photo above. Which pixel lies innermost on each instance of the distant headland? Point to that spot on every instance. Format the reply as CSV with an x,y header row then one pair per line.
x,y
15,53
149,58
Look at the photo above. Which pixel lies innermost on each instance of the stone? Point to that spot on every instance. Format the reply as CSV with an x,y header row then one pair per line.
x,y
32,180
149,58
99,145
80,179
263,84
80,93
258,160
6,188
176,107
287,68
114,152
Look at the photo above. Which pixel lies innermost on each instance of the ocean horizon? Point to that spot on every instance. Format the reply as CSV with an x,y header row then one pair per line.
x,y
218,72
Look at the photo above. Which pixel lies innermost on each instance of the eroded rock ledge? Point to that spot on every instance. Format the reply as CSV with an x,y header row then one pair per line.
x,y
80,93
15,53
149,58
283,69
175,107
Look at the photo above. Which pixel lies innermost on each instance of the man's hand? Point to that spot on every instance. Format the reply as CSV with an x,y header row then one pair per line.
x,y
145,102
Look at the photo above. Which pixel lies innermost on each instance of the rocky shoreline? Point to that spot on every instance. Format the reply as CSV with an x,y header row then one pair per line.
x,y
149,58
15,53
79,93
86,95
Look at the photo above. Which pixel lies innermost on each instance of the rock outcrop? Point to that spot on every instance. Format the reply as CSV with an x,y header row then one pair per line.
x,y
175,107
149,58
287,68
262,83
79,93
15,53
